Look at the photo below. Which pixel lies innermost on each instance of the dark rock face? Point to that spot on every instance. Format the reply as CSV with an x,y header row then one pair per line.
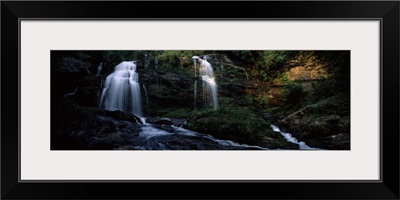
x,y
339,141
65,75
326,125
95,133
166,90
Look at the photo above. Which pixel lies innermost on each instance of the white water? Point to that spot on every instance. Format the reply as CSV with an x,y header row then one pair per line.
x,y
209,85
150,131
234,144
71,93
221,142
121,90
195,93
290,138
194,61
99,69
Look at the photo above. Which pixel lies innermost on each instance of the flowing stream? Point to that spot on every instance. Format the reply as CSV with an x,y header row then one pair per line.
x,y
162,137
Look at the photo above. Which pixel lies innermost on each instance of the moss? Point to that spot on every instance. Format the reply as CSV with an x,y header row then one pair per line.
x,y
179,113
235,123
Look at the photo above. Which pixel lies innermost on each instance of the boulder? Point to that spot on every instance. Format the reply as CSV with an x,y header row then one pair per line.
x,y
165,121
117,114
328,125
339,141
274,143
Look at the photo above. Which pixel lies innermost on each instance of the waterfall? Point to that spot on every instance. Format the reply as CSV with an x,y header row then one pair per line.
x,y
195,93
209,85
99,94
99,69
194,61
121,89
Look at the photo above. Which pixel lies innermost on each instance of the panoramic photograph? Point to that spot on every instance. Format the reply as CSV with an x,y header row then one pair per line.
x,y
200,100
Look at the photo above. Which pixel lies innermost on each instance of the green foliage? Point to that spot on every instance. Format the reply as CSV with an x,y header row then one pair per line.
x,y
226,100
337,105
179,113
270,62
176,61
261,101
235,123
169,59
293,92
323,89
248,99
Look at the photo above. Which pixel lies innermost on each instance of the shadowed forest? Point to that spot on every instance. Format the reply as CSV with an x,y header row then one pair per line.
x,y
200,100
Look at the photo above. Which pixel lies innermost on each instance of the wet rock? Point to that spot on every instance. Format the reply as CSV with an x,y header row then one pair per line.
x,y
117,114
179,122
184,142
122,125
160,121
328,125
165,121
275,143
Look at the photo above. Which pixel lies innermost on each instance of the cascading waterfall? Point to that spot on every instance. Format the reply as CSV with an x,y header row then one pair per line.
x,y
209,85
194,58
121,89
194,61
288,137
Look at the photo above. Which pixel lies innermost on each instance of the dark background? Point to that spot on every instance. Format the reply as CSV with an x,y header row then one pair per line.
x,y
11,11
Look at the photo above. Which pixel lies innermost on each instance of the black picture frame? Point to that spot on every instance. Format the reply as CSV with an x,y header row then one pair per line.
x,y
386,11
